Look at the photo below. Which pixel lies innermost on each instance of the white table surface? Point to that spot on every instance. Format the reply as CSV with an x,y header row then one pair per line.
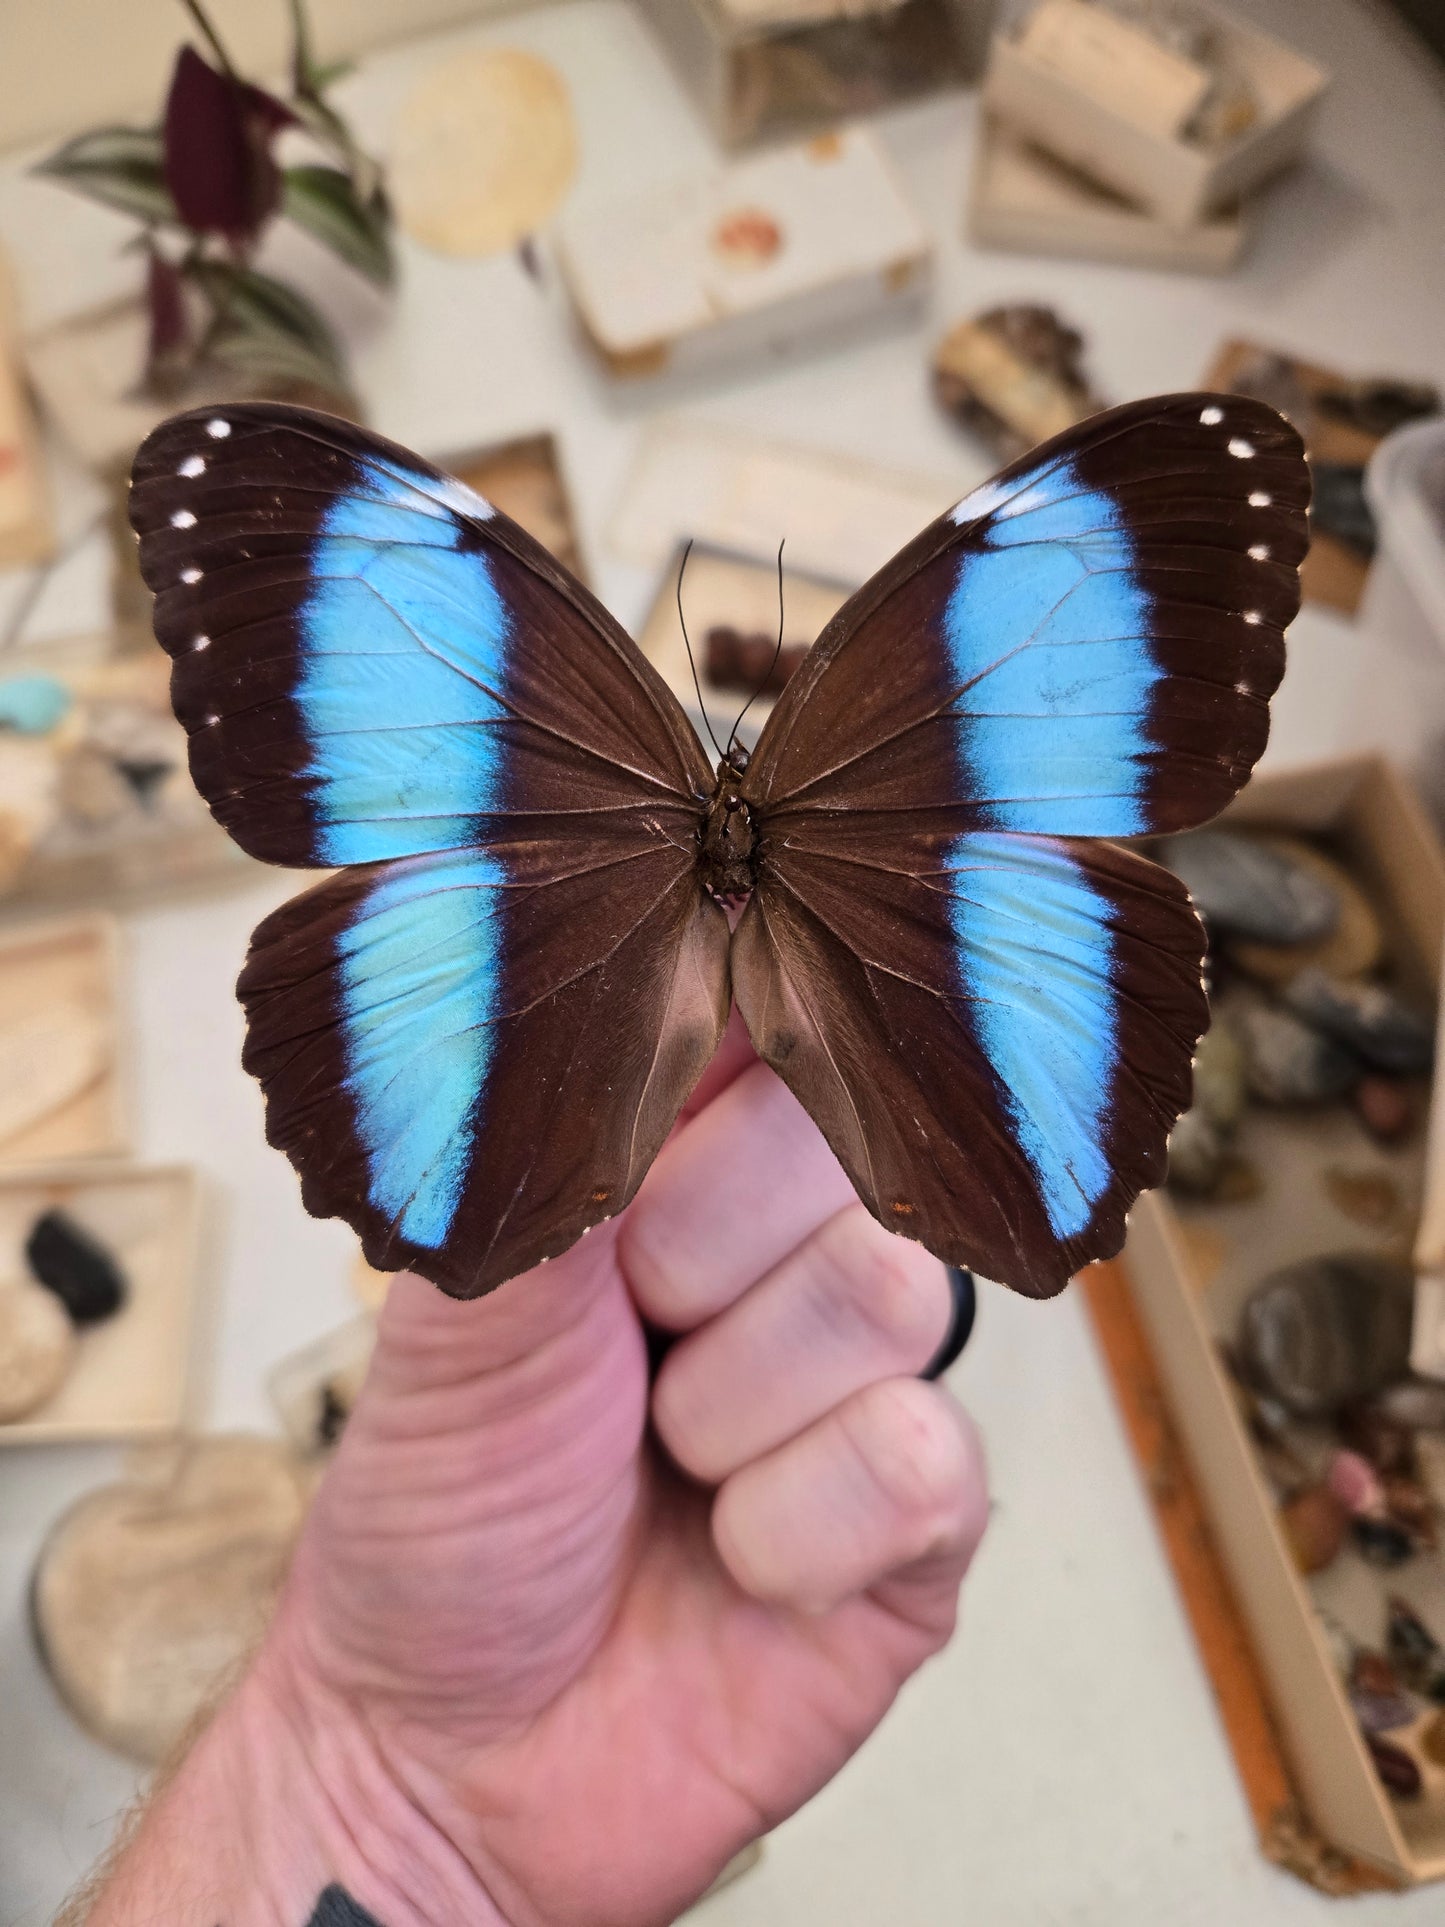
x,y
1063,1762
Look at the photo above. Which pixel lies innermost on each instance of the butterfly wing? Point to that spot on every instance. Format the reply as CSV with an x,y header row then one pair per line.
x,y
994,1022
473,1040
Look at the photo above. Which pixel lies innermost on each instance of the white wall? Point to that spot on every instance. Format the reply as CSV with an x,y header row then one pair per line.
x,y
68,64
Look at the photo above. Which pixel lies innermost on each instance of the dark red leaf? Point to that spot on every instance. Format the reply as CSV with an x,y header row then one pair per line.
x,y
265,111
217,151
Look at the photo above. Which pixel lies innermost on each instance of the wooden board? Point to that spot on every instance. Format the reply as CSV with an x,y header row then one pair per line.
x,y
69,962
1285,1835
131,1373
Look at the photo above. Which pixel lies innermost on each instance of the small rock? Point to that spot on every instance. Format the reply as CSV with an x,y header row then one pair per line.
x,y
1238,1181
80,1271
1355,1483
1219,1076
1255,887
37,1343
33,704
1376,1024
1432,1740
1339,505
1386,1108
1379,404
1289,1063
1415,1402
1377,1696
1380,1542
1196,1152
1397,1770
1367,1197
1379,1436
1415,1651
1314,1524
1352,949
1328,1331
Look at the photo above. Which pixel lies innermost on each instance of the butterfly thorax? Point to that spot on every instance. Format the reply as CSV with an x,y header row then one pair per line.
x,y
728,859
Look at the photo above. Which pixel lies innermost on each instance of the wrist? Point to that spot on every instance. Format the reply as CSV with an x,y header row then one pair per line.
x,y
284,1794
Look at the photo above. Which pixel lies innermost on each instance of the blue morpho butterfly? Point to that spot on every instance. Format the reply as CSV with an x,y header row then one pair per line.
x,y
474,1038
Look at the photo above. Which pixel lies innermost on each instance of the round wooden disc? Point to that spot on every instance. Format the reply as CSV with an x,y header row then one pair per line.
x,y
482,152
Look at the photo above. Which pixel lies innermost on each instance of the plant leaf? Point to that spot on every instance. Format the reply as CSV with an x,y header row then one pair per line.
x,y
218,162
121,167
266,329
324,202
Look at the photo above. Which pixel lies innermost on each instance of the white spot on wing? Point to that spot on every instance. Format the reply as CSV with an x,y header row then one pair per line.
x,y
1211,416
202,642
183,519
190,575
1253,618
983,501
212,720
1260,499
1259,551
464,500
218,429
192,465
1240,447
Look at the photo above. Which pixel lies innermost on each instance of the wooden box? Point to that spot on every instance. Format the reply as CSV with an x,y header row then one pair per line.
x,y
1378,825
1181,180
131,1372
747,260
772,69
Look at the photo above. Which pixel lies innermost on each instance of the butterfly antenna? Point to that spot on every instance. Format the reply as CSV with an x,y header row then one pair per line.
x,y
691,662
777,651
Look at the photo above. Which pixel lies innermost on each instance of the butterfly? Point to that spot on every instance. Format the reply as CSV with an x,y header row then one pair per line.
x,y
474,1037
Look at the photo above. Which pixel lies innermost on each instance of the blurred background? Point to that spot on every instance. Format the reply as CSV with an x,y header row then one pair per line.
x,y
733,271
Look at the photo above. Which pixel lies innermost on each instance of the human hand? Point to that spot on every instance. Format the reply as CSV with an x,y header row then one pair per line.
x,y
552,1672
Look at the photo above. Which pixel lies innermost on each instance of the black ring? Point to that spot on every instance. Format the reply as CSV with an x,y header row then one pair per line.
x,y
965,1308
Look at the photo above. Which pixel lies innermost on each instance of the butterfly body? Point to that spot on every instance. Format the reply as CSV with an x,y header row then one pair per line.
x,y
474,1037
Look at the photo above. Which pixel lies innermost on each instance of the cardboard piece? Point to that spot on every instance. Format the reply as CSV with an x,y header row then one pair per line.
x,y
1023,199
842,518
131,1372
1177,178
754,258
1116,64
1380,827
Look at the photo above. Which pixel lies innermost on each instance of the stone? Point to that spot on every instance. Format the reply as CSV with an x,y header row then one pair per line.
x,y
1415,1651
1378,1435
68,1261
1219,1076
1383,1543
1415,1402
1328,1331
1380,1702
1367,1197
1399,1773
1432,1740
1339,505
1315,1526
1386,1108
33,705
1352,949
1389,1034
1288,1062
1355,1483
1253,886
37,1344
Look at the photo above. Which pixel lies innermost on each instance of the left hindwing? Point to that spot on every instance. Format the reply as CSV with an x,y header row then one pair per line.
x,y
992,1021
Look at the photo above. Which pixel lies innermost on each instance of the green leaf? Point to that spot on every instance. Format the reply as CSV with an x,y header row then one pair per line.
x,y
265,329
324,202
122,167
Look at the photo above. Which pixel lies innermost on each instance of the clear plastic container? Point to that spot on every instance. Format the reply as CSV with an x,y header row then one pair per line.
x,y
1405,485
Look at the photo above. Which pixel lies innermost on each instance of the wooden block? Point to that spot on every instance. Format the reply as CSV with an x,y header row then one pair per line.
x,y
131,1373
1116,64
1023,199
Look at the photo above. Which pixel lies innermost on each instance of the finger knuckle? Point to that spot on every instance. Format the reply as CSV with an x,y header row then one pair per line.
x,y
917,1451
894,1291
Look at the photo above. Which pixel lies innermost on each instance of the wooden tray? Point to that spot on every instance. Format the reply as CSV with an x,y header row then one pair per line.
x,y
75,960
131,1373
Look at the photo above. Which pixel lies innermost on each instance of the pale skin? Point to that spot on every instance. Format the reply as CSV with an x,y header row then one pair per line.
x,y
540,1664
